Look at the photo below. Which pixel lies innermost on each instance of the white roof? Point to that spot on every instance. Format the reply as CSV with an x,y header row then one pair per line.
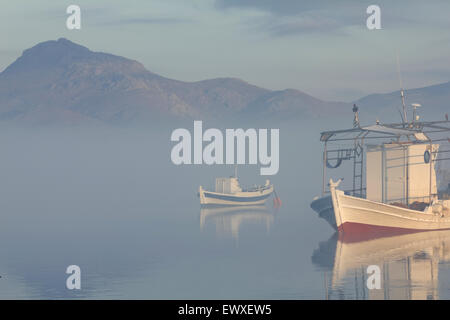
x,y
388,130
377,128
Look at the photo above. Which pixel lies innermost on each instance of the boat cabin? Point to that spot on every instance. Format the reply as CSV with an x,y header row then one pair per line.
x,y
392,163
401,173
228,185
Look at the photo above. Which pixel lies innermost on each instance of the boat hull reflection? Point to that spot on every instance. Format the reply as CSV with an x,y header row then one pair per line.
x,y
409,264
229,219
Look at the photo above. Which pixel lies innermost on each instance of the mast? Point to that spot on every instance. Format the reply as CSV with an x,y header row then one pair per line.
x,y
402,93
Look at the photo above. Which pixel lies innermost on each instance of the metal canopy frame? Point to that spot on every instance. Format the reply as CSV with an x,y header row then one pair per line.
x,y
416,132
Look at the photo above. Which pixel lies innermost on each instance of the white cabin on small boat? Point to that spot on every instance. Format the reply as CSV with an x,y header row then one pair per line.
x,y
229,192
227,185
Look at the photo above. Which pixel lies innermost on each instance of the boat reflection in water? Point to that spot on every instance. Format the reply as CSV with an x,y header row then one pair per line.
x,y
409,265
229,219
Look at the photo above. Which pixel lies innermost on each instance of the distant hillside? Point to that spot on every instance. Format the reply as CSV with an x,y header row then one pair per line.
x,y
63,82
60,82
435,101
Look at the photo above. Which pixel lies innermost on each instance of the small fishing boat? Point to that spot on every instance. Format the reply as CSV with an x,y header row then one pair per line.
x,y
229,192
394,185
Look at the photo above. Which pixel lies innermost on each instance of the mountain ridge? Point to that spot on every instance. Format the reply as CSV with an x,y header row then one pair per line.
x,y
61,81
434,99
62,75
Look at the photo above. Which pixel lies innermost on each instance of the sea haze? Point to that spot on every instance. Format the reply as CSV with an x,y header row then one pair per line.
x,y
111,201
87,179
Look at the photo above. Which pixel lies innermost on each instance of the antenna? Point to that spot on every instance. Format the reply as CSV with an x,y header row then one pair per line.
x,y
415,116
402,93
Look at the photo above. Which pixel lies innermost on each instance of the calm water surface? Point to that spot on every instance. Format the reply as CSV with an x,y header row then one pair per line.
x,y
112,203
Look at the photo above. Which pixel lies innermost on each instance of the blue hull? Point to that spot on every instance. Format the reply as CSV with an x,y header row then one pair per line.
x,y
324,207
237,199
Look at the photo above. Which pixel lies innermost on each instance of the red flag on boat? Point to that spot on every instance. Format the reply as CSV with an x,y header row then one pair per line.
x,y
276,200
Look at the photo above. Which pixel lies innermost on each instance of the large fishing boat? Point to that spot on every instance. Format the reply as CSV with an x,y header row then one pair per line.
x,y
393,185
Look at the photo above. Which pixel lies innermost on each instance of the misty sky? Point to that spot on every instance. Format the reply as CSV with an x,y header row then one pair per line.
x,y
320,47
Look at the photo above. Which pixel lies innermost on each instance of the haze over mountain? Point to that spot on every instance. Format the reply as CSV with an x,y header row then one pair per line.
x,y
435,101
63,82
